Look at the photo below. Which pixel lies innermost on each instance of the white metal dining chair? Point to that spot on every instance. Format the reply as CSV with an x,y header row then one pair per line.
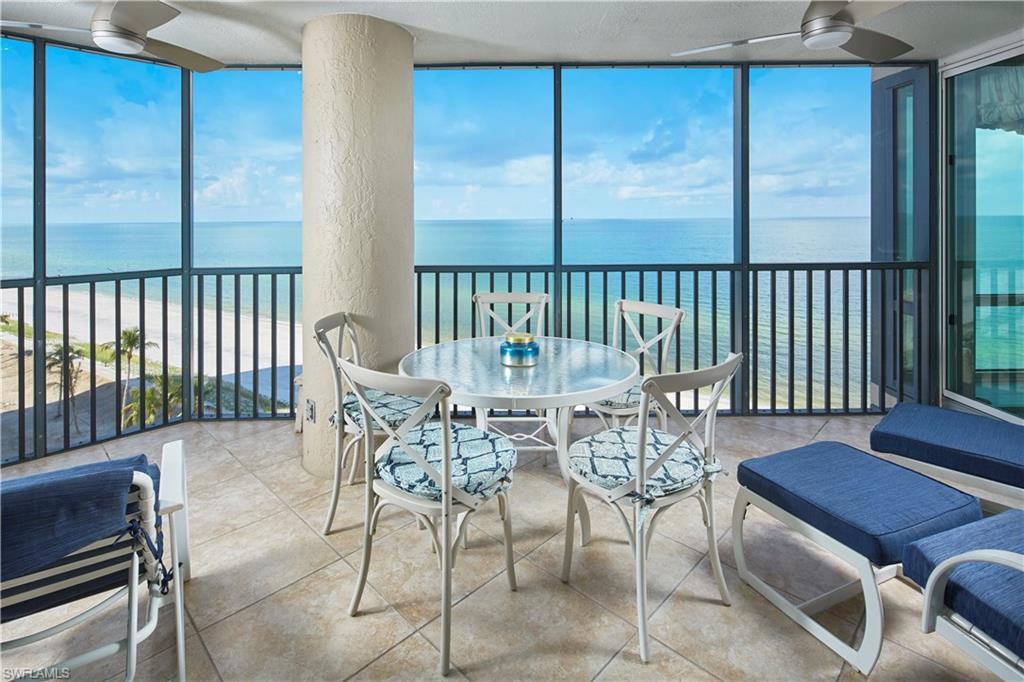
x,y
437,471
347,418
675,467
622,409
532,320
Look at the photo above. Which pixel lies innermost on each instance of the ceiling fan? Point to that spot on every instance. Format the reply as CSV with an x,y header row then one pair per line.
x,y
122,27
827,25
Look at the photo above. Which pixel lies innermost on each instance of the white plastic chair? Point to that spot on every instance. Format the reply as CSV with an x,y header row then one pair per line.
x,y
623,408
347,417
677,467
126,559
416,468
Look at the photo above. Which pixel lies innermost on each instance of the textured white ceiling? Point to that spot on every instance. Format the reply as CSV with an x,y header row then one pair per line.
x,y
238,32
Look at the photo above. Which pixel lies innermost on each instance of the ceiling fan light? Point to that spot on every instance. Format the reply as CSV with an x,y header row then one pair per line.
x,y
827,38
118,41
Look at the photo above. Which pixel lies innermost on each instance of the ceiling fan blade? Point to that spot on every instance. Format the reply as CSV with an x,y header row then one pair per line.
x,y
40,27
181,56
874,46
858,12
737,43
140,17
823,8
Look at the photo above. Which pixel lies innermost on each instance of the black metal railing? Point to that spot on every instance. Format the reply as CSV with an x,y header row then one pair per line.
x,y
103,356
816,339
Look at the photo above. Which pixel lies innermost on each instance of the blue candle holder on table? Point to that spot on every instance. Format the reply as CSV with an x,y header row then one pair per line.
x,y
519,350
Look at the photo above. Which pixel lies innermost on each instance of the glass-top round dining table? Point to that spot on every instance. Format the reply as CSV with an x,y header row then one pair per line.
x,y
569,372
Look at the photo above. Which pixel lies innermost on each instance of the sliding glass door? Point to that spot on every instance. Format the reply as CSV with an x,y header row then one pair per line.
x,y
985,341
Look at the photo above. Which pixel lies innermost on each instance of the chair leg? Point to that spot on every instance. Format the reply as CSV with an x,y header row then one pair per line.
x,y
131,654
716,561
581,508
357,458
178,585
570,521
364,564
446,592
339,465
505,508
640,553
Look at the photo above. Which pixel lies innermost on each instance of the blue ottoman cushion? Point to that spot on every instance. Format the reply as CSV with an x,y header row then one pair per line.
x,y
969,443
872,506
991,597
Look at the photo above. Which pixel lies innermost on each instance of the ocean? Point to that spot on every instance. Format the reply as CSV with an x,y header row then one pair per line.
x,y
74,249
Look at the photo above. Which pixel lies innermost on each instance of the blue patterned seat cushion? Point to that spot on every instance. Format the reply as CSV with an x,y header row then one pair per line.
x,y
393,409
609,459
481,461
630,400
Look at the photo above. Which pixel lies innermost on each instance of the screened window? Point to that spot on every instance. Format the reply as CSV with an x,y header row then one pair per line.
x,y
647,165
248,168
483,166
16,102
113,164
810,164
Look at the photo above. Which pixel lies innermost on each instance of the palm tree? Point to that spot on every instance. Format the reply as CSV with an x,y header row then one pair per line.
x,y
64,361
131,345
131,413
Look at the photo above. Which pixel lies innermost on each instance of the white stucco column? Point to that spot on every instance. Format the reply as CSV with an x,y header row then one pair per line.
x,y
357,201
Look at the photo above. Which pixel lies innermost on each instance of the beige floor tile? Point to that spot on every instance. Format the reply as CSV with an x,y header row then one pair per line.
x,y
806,426
749,640
902,606
545,631
900,664
89,455
604,569
270,444
413,659
234,570
853,430
293,484
230,430
538,512
405,571
304,632
164,666
746,436
150,443
786,560
684,521
663,664
209,466
346,534
235,503
109,626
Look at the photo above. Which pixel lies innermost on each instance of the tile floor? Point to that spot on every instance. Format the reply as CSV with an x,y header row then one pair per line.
x,y
268,597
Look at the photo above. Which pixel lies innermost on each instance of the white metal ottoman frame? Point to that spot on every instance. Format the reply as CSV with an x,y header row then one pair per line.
x,y
937,617
172,503
866,655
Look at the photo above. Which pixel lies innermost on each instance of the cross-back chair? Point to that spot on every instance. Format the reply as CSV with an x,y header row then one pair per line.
x,y
438,471
531,321
675,466
347,418
652,353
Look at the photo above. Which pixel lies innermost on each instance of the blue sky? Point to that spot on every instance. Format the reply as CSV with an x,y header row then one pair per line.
x,y
638,143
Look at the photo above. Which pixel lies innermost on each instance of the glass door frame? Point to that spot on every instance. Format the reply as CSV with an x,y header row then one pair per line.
x,y
948,71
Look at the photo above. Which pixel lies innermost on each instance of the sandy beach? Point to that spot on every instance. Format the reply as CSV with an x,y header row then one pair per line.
x,y
249,332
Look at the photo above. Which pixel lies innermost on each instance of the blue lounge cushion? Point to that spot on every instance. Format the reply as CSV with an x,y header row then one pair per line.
x,y
609,459
968,443
872,506
48,516
990,596
482,462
